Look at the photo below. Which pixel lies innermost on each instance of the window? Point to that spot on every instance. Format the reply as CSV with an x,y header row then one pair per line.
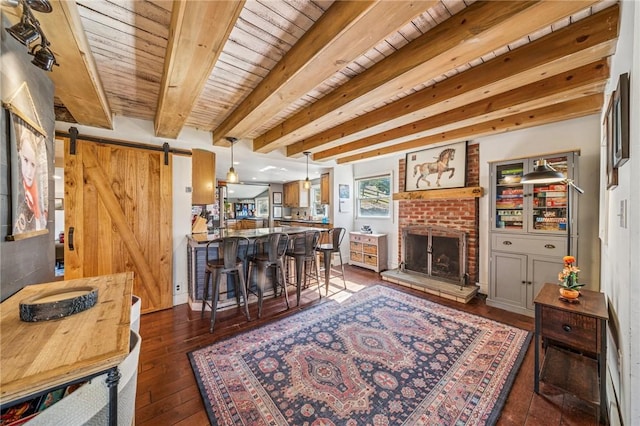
x,y
373,196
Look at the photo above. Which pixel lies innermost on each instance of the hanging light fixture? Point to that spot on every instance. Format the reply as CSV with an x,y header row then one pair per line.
x,y
232,176
28,30
307,182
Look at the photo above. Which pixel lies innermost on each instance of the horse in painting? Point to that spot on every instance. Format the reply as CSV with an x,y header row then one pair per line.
x,y
440,166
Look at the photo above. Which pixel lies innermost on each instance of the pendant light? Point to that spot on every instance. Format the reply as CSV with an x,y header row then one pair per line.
x,y
232,176
307,182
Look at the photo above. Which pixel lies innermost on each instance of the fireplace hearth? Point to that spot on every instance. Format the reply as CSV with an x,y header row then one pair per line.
x,y
436,252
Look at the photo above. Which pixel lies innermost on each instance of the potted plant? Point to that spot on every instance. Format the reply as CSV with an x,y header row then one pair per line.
x,y
568,278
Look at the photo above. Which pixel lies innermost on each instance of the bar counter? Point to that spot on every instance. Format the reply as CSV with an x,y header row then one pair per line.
x,y
197,253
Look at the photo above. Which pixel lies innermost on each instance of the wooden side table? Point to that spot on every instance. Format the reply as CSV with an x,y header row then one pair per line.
x,y
38,357
574,337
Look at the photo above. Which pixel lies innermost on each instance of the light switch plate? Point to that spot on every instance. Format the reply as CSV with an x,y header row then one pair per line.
x,y
623,214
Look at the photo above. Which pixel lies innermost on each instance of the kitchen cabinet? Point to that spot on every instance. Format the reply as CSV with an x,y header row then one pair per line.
x,y
573,339
528,235
325,188
203,177
368,250
295,195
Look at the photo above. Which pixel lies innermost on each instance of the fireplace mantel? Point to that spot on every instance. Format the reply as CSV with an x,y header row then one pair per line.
x,y
466,192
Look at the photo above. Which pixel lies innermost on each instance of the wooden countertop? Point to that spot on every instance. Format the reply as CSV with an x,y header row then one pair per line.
x,y
249,233
37,356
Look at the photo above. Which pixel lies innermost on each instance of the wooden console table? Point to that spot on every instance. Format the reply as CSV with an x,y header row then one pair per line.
x,y
38,357
574,337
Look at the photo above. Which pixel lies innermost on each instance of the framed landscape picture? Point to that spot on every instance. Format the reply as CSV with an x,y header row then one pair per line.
x,y
436,168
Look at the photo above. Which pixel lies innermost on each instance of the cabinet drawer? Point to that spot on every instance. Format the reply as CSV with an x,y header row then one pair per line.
x,y
576,330
353,246
356,256
371,260
370,249
364,239
555,247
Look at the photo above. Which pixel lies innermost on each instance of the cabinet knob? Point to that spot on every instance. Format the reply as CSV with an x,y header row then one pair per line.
x,y
507,243
567,328
529,282
549,246
524,282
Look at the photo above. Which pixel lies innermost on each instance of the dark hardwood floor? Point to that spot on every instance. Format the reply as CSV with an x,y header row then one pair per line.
x,y
168,394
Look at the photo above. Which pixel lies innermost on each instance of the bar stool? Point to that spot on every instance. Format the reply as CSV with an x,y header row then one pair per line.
x,y
268,253
336,235
227,262
303,251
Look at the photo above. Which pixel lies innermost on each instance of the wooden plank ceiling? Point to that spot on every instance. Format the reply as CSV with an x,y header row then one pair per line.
x,y
345,80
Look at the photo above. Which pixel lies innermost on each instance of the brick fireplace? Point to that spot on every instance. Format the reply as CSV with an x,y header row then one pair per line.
x,y
456,214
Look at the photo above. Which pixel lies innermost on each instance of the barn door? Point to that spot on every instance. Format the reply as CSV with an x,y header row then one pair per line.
x,y
118,207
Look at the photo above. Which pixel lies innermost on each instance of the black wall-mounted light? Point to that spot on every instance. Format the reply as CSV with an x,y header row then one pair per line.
x,y
28,30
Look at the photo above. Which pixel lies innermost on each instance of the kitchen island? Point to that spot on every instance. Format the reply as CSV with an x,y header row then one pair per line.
x,y
197,253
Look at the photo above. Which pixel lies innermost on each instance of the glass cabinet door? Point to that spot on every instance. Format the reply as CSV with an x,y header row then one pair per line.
x,y
509,202
549,201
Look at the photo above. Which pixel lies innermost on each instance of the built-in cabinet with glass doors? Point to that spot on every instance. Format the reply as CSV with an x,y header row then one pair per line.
x,y
528,231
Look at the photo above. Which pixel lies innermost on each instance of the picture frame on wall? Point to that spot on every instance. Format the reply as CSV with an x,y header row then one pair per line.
x,y
620,118
277,198
612,170
436,168
29,175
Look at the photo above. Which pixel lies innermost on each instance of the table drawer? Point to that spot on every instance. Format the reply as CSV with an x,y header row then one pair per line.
x,y
371,260
576,330
364,239
356,256
353,246
370,249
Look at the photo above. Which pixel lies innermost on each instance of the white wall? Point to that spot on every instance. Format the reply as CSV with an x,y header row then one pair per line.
x,y
581,134
381,166
342,174
620,245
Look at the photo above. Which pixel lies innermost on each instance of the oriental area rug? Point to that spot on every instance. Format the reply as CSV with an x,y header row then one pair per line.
x,y
383,357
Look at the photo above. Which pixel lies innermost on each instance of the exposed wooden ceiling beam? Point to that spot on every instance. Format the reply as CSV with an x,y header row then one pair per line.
x,y
581,43
587,80
479,29
562,111
335,39
77,82
193,49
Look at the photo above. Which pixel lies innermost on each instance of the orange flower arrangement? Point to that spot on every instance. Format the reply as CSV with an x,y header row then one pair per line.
x,y
569,276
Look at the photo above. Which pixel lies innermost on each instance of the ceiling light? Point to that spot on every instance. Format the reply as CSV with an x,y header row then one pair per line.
x,y
307,182
43,57
28,30
232,176
24,31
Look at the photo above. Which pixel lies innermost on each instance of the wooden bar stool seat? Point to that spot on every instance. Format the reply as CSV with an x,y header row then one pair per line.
x,y
303,251
336,235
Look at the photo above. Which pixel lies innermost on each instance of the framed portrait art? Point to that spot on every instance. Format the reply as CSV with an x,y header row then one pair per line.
x,y
620,121
29,175
609,129
277,198
436,168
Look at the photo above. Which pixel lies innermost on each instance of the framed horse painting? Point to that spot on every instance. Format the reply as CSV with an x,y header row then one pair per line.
x,y
436,168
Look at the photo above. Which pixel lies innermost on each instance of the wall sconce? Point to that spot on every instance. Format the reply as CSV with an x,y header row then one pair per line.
x,y
28,30
232,176
307,182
